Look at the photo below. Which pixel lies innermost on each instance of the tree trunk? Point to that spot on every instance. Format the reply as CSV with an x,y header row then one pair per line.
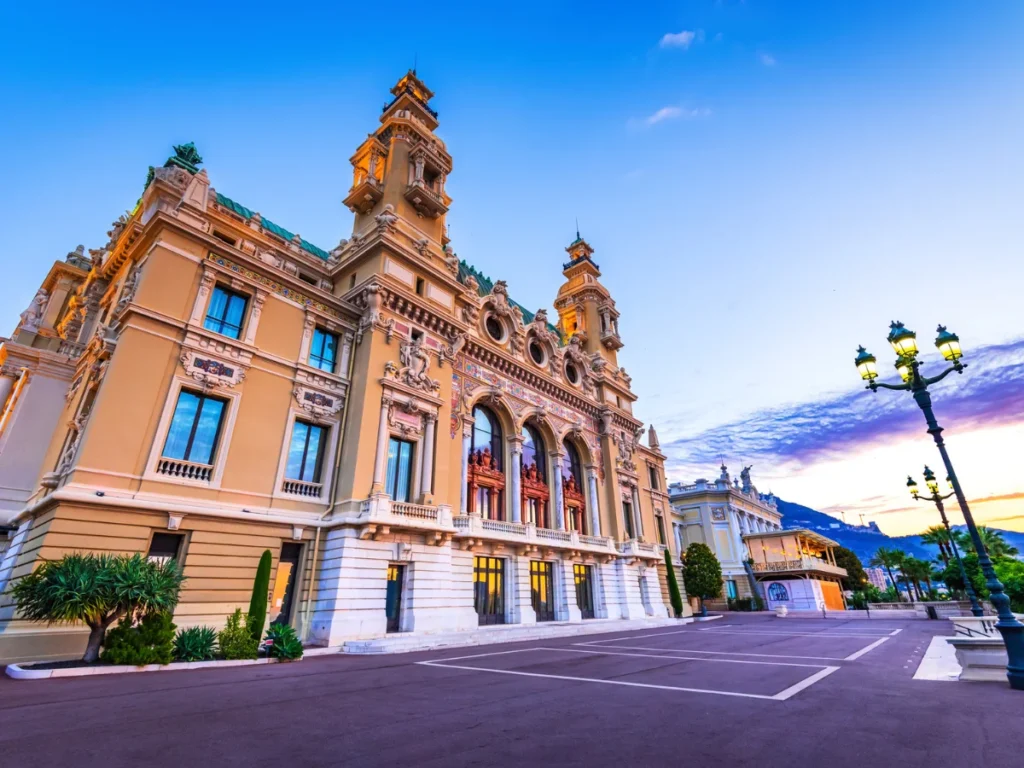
x,y
92,649
893,582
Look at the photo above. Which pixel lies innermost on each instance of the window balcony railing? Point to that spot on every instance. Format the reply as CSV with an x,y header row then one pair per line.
x,y
552,534
802,564
473,527
419,511
302,488
185,470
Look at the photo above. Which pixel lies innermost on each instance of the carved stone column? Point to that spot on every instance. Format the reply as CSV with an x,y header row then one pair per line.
x,y
516,446
427,471
595,506
638,526
254,317
559,504
346,353
307,337
206,283
467,432
381,459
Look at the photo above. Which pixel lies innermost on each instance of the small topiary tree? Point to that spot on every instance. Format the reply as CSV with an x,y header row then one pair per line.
x,y
258,602
98,590
702,574
673,586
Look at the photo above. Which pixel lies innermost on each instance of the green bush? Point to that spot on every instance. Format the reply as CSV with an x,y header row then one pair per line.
x,y
97,590
235,640
149,642
285,644
258,603
195,644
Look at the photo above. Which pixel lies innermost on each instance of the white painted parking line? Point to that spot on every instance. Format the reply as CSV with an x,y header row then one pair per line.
x,y
782,634
685,658
823,672
865,649
724,653
639,637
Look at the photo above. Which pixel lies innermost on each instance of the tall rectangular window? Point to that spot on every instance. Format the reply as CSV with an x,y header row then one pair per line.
x,y
660,522
323,350
226,312
627,513
398,483
306,453
730,589
653,474
195,428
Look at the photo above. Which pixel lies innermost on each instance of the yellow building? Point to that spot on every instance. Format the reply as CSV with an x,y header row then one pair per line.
x,y
419,452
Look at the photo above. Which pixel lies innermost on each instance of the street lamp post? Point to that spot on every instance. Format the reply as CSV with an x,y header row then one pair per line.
x,y
904,342
934,496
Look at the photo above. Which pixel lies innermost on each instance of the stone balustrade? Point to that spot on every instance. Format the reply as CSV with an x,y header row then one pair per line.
x,y
804,563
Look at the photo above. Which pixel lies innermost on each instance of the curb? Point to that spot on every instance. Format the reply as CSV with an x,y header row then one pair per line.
x,y
18,671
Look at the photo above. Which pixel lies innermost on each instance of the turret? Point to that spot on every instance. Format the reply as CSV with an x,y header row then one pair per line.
x,y
403,164
585,307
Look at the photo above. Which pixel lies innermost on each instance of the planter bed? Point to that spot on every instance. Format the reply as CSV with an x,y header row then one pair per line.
x,y
46,670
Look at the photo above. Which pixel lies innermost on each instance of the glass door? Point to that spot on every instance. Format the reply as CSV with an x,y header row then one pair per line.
x,y
542,590
282,596
583,575
393,604
489,582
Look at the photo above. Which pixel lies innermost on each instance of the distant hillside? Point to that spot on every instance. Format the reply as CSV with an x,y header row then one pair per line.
x,y
866,539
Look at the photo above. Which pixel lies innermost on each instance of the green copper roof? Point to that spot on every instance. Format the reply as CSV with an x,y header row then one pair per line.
x,y
485,285
267,224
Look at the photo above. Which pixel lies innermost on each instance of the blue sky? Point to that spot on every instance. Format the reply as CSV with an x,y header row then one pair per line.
x,y
767,184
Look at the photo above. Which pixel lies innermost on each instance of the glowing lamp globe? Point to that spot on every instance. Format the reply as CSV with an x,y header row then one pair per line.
x,y
905,368
912,486
903,340
948,344
866,364
930,481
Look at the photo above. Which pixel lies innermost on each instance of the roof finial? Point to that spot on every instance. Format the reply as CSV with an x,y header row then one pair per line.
x,y
577,227
415,60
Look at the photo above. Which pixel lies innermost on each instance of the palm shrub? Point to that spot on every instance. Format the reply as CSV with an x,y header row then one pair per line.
x,y
673,586
258,602
235,640
284,643
195,644
702,573
151,641
98,590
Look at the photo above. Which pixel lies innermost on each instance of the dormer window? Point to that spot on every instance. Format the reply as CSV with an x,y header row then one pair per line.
x,y
494,327
572,374
537,353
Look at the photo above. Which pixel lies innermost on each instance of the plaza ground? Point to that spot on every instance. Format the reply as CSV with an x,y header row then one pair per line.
x,y
747,690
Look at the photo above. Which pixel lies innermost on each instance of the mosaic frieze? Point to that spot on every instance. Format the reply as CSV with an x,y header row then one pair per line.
x,y
272,285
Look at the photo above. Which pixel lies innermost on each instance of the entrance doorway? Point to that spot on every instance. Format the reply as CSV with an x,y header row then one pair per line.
x,y
542,590
393,604
584,578
282,596
489,584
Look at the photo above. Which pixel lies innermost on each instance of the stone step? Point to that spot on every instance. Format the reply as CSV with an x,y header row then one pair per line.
x,y
411,641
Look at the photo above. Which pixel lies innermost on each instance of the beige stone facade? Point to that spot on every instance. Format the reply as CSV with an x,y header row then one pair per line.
x,y
418,451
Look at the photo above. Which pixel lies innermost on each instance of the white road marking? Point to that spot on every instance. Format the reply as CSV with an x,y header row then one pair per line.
x,y
723,653
638,637
822,673
783,634
865,649
793,690
895,632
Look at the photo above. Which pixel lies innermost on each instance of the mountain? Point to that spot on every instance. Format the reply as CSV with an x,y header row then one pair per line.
x,y
866,539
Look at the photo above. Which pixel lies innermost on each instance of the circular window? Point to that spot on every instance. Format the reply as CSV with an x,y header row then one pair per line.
x,y
537,352
572,374
495,328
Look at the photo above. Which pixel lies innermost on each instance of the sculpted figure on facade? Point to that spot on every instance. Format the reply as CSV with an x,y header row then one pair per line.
x,y
386,219
415,364
33,314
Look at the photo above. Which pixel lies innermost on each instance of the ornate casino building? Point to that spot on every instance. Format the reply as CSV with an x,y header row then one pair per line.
x,y
420,453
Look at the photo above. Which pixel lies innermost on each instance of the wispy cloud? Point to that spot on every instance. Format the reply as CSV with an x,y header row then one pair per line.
x,y
768,60
676,113
683,39
990,394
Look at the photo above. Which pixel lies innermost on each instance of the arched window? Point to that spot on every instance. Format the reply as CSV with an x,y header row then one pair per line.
x,y
534,485
485,479
533,451
571,463
573,496
487,434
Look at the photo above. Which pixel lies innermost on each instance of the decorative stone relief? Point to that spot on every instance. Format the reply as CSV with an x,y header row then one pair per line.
x,y
448,352
372,318
33,315
131,283
414,366
210,372
317,404
386,220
